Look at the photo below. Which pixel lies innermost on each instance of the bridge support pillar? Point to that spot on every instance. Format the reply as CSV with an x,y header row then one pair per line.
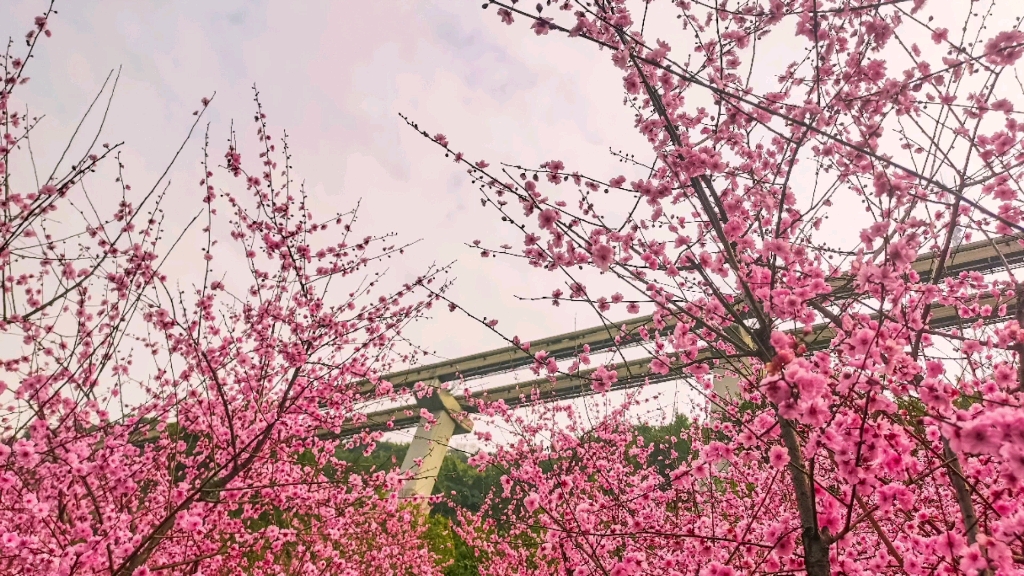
x,y
727,385
726,388
430,444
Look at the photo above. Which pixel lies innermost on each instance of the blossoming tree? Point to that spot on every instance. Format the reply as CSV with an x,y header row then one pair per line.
x,y
772,230
151,429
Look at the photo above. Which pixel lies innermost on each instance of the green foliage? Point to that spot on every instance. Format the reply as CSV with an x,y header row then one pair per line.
x,y
670,446
464,488
440,539
385,456
461,485
452,552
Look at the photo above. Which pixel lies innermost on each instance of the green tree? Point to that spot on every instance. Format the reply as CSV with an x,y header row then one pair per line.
x,y
463,487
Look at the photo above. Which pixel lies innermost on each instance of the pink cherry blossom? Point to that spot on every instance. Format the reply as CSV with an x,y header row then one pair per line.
x,y
1005,48
793,226
603,256
778,457
145,433
602,379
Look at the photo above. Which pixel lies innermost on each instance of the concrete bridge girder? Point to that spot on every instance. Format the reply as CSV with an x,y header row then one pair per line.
x,y
430,443
447,419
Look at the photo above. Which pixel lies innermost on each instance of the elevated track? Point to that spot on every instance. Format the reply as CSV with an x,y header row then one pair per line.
x,y
984,256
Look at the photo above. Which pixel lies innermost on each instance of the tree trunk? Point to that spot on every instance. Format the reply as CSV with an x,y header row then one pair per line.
x,y
815,545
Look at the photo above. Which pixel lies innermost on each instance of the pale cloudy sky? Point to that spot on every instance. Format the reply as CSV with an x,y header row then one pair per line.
x,y
335,75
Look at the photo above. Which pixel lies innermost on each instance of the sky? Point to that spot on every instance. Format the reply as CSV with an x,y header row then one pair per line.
x,y
335,76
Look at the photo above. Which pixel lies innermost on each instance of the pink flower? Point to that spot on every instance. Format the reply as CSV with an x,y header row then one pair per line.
x,y
781,340
25,453
901,253
893,493
973,561
940,35
632,83
980,437
189,522
1005,49
603,255
776,389
660,365
1002,105
716,569
532,502
1005,376
555,166
778,457
441,139
949,544
603,379
1013,457
814,413
541,26
717,452
548,217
